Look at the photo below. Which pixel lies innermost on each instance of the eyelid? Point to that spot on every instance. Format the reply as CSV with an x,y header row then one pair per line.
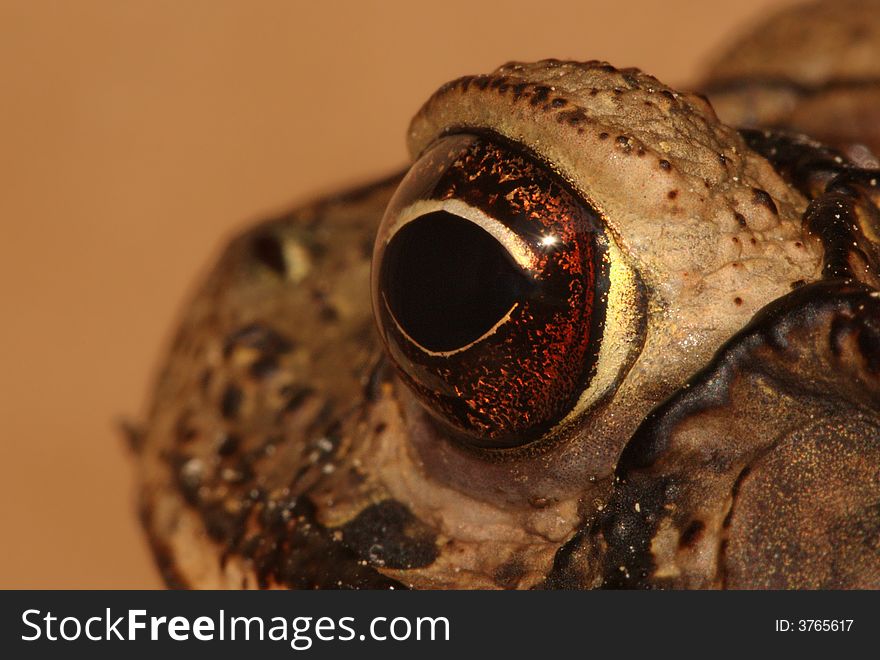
x,y
521,252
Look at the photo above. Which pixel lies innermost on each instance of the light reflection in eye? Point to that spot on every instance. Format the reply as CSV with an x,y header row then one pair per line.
x,y
549,241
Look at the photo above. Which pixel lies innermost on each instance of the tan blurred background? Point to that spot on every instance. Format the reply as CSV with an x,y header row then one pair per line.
x,y
134,136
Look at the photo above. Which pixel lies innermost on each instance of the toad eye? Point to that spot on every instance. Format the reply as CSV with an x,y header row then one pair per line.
x,y
490,285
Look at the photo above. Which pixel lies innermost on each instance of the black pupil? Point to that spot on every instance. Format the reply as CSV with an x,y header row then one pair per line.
x,y
447,281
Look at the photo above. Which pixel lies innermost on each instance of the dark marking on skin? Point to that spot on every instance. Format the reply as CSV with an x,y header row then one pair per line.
x,y
499,83
722,552
295,397
603,135
763,198
300,553
628,561
734,491
388,534
738,300
329,314
259,337
539,95
230,402
665,164
571,117
558,103
691,534
623,142
267,249
672,194
508,575
264,367
323,419
518,90
228,445
566,572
